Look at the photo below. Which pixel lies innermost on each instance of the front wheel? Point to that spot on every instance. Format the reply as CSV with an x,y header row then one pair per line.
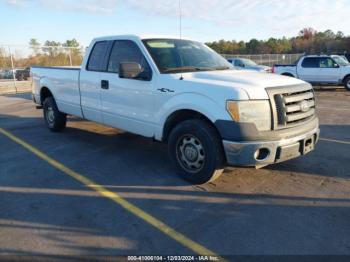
x,y
347,83
54,119
196,151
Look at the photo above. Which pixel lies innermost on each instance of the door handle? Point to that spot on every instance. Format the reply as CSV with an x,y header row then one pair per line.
x,y
104,84
164,90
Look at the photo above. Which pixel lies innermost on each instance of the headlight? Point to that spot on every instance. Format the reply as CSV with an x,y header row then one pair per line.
x,y
257,112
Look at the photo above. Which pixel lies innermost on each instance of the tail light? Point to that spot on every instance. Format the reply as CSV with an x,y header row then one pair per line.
x,y
273,70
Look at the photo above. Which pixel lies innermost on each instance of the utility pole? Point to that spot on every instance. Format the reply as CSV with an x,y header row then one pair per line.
x,y
13,70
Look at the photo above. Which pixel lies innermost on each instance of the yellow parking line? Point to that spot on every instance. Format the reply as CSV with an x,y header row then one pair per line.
x,y
161,226
336,141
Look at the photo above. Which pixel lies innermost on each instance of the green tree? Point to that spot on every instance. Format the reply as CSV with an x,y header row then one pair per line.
x,y
52,48
307,41
71,43
252,46
34,45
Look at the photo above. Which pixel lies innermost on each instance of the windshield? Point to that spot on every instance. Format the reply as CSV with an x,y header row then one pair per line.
x,y
177,56
340,60
248,62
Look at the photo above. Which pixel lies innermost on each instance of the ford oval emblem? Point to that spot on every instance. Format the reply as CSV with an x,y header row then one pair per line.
x,y
304,106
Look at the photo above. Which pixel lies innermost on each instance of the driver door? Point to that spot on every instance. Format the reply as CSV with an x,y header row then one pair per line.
x,y
330,72
127,104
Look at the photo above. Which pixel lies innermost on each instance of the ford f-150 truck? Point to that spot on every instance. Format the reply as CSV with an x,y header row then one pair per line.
x,y
181,92
315,69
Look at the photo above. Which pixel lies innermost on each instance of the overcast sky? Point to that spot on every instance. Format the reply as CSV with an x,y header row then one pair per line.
x,y
204,20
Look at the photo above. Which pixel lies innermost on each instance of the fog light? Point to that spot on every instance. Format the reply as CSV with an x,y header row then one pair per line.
x,y
262,154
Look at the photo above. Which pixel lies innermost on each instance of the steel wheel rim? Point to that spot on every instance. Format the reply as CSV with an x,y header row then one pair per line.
x,y
190,153
348,84
50,115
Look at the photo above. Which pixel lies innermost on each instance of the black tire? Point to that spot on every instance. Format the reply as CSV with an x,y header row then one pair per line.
x,y
54,119
347,83
196,151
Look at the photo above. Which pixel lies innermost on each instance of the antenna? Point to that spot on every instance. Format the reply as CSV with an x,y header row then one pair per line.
x,y
180,31
180,16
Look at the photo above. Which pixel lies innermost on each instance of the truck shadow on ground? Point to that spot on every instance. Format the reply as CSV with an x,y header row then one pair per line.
x,y
84,143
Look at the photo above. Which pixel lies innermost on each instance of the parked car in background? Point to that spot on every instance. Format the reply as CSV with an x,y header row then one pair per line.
x,y
318,69
22,74
6,74
247,64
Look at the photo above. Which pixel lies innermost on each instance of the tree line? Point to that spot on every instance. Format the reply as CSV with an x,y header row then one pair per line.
x,y
307,41
70,52
50,53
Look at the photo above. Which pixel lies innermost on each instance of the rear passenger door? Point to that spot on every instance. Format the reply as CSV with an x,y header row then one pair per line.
x,y
310,69
90,81
128,104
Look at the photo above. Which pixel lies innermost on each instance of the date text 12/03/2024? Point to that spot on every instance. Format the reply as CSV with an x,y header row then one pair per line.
x,y
173,258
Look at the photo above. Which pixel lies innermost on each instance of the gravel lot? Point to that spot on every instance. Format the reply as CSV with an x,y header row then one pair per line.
x,y
299,207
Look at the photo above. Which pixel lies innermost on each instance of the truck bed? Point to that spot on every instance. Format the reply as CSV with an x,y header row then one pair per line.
x,y
63,83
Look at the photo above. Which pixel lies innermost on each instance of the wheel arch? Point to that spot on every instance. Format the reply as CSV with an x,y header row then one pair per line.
x,y
45,92
181,115
345,77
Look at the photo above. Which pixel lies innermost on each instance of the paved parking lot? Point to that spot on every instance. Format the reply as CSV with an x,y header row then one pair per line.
x,y
9,86
298,207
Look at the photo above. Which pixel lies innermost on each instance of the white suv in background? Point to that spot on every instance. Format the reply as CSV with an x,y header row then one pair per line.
x,y
317,69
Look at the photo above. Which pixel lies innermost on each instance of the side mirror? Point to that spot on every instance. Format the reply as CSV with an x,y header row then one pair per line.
x,y
335,65
130,70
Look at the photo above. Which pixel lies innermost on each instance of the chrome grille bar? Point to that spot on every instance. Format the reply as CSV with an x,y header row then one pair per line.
x,y
297,98
299,116
292,105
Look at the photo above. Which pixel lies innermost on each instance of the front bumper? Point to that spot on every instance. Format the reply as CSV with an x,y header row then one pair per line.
x,y
262,153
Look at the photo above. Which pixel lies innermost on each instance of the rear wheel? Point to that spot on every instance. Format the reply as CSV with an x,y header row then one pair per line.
x,y
54,119
196,151
347,83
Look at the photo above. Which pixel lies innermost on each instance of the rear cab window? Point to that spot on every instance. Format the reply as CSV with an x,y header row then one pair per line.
x,y
98,59
311,62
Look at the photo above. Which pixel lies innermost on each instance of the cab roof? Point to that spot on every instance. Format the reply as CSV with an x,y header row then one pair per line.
x,y
138,37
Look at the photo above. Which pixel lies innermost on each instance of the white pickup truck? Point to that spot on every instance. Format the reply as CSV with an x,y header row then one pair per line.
x,y
315,69
182,93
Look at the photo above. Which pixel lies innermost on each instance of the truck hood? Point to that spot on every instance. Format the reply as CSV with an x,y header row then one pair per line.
x,y
257,68
253,83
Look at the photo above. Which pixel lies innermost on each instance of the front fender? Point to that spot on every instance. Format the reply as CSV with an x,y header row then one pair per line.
x,y
191,101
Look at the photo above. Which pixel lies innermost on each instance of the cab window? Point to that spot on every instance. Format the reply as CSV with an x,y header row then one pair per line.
x,y
311,62
326,62
124,51
98,57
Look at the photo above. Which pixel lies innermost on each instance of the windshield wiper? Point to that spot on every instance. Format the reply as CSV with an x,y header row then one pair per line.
x,y
222,68
186,68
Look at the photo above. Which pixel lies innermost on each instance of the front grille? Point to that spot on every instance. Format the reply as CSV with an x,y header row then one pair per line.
x,y
292,105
